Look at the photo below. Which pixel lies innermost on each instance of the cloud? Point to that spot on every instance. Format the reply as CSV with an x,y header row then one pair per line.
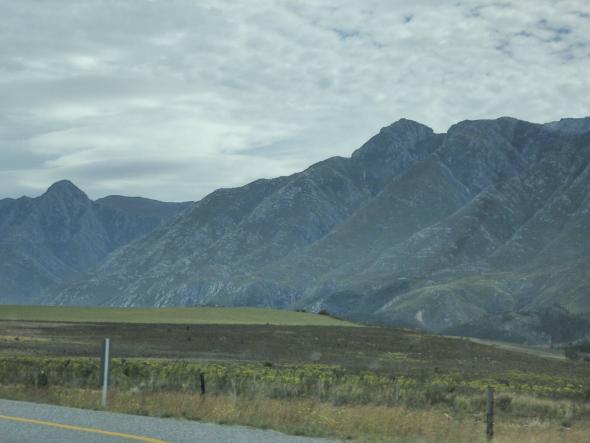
x,y
172,99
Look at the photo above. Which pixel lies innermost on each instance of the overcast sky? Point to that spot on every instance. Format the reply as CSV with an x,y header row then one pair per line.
x,y
173,99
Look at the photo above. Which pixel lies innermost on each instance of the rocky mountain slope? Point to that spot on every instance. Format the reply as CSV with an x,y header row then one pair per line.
x,y
54,238
416,228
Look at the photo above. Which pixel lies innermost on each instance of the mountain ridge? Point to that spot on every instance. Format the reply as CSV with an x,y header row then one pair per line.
x,y
54,238
414,228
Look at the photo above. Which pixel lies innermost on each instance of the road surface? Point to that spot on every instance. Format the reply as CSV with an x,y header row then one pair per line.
x,y
22,422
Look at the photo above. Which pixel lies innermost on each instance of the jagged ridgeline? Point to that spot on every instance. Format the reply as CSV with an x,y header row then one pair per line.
x,y
415,228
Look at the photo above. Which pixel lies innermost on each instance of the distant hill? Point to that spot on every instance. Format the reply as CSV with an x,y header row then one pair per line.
x,y
54,238
415,228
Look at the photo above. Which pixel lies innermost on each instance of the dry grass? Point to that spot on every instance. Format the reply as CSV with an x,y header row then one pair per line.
x,y
311,418
370,384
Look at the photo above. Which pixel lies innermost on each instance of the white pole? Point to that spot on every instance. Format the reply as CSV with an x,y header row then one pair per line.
x,y
106,369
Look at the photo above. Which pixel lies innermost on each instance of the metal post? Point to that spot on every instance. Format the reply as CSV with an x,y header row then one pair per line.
x,y
202,379
105,370
490,414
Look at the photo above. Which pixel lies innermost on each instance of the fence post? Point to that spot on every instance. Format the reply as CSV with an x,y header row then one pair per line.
x,y
105,370
202,379
490,414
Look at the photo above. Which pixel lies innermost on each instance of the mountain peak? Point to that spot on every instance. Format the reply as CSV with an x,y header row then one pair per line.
x,y
570,126
404,125
65,188
402,133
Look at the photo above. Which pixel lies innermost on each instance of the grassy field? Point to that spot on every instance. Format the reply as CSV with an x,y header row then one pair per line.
x,y
532,350
308,417
200,315
318,399
359,383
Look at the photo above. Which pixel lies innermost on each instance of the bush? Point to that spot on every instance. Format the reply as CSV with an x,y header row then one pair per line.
x,y
42,379
504,403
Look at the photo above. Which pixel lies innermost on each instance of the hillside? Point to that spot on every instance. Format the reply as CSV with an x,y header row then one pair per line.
x,y
54,238
415,228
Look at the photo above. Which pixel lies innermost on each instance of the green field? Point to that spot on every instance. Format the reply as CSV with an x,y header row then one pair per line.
x,y
532,350
201,315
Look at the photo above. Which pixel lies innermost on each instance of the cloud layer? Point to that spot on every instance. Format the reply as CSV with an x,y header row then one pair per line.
x,y
172,99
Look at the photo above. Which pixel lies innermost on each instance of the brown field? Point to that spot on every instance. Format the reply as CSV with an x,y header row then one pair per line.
x,y
312,380
389,350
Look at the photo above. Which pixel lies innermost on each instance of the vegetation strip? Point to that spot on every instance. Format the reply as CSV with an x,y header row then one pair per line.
x,y
362,423
81,429
188,315
368,384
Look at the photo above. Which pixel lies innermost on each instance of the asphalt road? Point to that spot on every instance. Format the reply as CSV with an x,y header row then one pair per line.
x,y
22,422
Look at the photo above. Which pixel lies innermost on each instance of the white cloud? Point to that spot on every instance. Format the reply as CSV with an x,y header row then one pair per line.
x,y
172,99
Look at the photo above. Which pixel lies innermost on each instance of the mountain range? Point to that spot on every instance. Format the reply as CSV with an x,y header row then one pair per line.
x,y
53,239
482,230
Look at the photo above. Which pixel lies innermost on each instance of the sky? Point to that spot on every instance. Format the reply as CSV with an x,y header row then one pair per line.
x,y
173,99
